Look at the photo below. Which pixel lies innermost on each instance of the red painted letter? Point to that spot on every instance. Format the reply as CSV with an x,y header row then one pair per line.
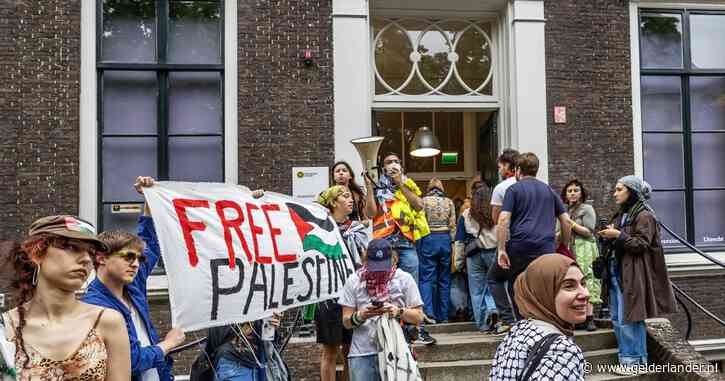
x,y
274,232
256,230
188,226
232,224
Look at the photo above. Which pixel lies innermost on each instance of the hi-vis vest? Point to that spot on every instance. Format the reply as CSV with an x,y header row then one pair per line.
x,y
397,214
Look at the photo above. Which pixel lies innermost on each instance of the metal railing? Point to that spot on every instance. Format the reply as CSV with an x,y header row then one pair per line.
x,y
679,293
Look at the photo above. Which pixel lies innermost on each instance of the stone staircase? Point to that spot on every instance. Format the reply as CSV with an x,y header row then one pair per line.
x,y
464,354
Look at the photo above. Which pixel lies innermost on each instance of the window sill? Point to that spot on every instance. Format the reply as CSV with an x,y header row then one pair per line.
x,y
688,264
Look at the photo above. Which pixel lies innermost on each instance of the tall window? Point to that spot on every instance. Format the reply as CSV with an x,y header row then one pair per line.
x,y
682,68
160,106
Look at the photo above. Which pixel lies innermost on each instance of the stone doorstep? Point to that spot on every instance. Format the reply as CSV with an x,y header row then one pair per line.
x,y
471,370
473,345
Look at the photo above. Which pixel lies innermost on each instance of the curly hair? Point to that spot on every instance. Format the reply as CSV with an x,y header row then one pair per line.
x,y
481,207
584,193
355,189
18,257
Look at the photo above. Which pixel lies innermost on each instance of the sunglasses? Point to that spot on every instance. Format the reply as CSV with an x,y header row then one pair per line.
x,y
130,256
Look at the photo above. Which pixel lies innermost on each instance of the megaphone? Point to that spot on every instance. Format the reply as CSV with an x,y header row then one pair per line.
x,y
368,148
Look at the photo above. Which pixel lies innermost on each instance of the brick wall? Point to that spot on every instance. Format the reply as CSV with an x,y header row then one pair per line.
x,y
285,107
588,72
707,291
39,95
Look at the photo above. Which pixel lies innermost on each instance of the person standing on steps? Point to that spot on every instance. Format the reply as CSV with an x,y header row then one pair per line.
x,y
398,217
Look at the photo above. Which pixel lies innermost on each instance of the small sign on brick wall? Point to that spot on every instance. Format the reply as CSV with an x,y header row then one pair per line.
x,y
559,114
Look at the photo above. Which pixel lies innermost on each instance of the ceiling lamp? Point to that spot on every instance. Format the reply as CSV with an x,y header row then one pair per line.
x,y
425,143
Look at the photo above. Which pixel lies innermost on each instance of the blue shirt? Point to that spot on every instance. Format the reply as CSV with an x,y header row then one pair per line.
x,y
534,208
142,358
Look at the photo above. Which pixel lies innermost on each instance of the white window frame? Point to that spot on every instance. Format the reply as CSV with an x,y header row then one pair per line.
x,y
681,264
88,147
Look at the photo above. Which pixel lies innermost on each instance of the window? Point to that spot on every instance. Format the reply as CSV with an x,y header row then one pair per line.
x,y
414,56
160,98
682,67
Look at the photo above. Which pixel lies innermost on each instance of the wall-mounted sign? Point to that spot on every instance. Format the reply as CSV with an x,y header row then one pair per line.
x,y
126,208
449,158
308,182
559,114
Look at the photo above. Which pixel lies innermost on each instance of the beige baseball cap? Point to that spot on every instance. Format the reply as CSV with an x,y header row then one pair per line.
x,y
69,227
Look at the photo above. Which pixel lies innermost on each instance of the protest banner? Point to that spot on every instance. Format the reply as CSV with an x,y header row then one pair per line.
x,y
232,258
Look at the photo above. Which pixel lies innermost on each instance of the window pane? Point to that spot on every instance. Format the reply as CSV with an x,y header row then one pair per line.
x,y
196,159
449,130
195,103
117,216
389,125
129,102
709,217
707,107
129,31
661,104
392,57
663,163
707,39
412,121
670,209
194,32
708,156
661,40
123,160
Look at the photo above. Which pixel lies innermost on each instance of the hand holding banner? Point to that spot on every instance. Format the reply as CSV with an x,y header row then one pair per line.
x,y
232,258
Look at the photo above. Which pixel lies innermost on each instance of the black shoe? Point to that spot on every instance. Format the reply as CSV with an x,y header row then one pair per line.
x,y
590,326
425,338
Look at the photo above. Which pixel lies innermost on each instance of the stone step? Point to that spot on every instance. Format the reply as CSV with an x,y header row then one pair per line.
x,y
473,346
472,370
451,328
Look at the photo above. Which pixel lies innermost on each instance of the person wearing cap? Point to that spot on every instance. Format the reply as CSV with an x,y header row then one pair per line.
x,y
55,335
635,278
120,284
378,287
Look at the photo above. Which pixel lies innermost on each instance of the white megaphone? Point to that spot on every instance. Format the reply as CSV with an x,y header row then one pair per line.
x,y
368,148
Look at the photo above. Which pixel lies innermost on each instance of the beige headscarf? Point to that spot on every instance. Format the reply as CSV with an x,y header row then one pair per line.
x,y
536,288
329,195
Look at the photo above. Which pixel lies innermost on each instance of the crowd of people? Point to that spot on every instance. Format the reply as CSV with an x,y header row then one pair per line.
x,y
530,262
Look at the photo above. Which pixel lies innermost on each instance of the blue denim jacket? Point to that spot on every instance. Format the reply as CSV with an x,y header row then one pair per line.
x,y
142,358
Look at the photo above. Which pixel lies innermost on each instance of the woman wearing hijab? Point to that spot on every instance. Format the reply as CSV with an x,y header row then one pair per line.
x,y
635,278
552,298
339,200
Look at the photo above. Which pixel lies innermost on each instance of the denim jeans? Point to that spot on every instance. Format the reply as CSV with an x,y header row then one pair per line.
x,y
502,291
631,337
228,370
407,255
364,368
481,298
434,255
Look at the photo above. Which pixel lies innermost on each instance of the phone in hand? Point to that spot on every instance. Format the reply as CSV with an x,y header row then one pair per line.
x,y
378,303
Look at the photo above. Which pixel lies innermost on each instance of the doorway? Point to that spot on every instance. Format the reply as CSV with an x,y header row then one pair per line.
x,y
469,146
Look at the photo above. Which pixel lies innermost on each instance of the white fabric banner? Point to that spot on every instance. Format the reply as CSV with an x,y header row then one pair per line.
x,y
232,258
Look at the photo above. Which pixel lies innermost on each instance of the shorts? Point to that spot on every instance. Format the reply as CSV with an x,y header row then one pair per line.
x,y
328,321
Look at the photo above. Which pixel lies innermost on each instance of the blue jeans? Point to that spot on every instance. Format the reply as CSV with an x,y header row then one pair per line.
x,y
482,300
364,368
228,370
631,337
434,254
407,256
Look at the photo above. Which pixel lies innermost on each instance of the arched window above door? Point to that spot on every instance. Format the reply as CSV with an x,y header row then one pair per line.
x,y
433,57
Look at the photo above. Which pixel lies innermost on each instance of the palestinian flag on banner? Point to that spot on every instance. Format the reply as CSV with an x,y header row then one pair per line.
x,y
318,234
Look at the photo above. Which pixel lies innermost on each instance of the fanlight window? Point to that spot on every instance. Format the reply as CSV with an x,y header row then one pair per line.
x,y
416,56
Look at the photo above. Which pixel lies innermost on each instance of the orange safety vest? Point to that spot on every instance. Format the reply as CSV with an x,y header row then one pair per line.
x,y
384,224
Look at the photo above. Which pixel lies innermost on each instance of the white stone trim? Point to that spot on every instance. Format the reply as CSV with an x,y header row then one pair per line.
x,y
231,89
684,4
529,127
88,128
636,95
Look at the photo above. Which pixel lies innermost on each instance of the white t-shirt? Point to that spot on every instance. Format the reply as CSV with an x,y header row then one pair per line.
x,y
143,336
500,191
403,293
